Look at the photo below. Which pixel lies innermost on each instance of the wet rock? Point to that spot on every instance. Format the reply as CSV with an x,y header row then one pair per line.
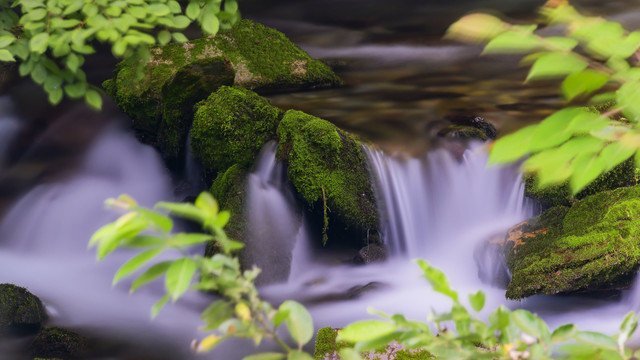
x,y
327,168
21,312
177,76
231,127
476,122
59,343
590,247
370,254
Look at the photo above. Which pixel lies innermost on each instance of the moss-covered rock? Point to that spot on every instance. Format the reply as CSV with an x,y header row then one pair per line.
x,y
57,342
20,310
231,127
177,76
326,348
592,246
556,195
328,169
229,189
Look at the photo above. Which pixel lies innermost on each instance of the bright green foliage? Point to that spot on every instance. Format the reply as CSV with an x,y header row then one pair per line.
x,y
507,334
593,245
574,144
327,166
52,38
240,312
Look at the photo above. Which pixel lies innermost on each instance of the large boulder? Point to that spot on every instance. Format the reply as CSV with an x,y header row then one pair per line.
x,y
328,169
20,310
177,76
59,343
231,127
592,246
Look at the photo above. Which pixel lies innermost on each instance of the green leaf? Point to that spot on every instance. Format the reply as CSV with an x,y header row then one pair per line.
x,y
179,276
93,99
38,44
181,22
215,314
553,65
365,330
55,96
377,343
119,48
207,203
265,356
562,43
21,49
513,41
6,40
186,239
222,219
144,241
280,316
349,354
477,300
437,279
76,91
164,37
555,129
627,328
299,355
159,9
526,321
595,339
583,83
210,23
135,263
586,168
299,322
614,154
37,14
5,55
230,6
184,210
155,309
193,10
151,274
179,37
513,146
563,333
39,73
627,97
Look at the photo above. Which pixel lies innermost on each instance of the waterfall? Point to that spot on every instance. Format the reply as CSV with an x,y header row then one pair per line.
x,y
437,202
274,220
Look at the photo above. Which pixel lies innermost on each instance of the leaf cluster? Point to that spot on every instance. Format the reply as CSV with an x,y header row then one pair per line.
x,y
597,61
239,312
51,38
507,334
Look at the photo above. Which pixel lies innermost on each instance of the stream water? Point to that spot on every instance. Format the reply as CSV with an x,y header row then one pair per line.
x,y
435,204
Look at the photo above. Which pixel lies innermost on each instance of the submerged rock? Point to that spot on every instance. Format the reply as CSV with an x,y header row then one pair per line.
x,y
57,342
231,127
177,76
327,168
592,246
20,311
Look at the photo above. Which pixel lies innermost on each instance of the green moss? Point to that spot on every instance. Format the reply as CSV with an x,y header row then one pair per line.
x,y
326,163
230,127
19,309
229,189
326,343
419,355
619,176
159,93
58,343
596,245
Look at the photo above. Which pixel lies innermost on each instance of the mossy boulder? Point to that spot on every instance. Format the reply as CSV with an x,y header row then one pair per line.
x,y
231,127
60,343
177,76
20,310
592,246
560,195
328,169
229,189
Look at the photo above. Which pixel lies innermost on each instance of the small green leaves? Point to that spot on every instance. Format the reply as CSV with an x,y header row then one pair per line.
x,y
93,99
210,23
365,330
595,339
6,55
477,300
476,28
299,322
179,276
627,328
135,263
151,274
513,41
155,309
39,43
299,355
437,279
563,333
583,83
553,65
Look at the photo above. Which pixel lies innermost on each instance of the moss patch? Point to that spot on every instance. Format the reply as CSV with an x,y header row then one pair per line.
x,y
230,128
20,310
159,93
595,246
620,176
58,343
327,166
